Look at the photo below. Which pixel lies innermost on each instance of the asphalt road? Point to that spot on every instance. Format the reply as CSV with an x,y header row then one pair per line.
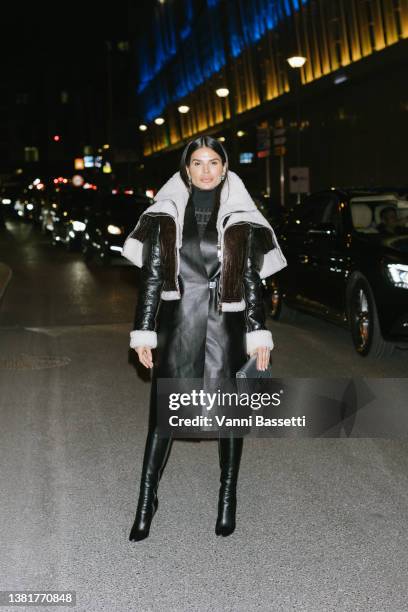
x,y
321,523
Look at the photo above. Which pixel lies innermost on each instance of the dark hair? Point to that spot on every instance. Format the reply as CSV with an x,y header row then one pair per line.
x,y
386,210
193,145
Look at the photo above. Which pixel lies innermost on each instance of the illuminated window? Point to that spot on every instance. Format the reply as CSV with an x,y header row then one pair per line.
x,y
246,158
31,154
123,45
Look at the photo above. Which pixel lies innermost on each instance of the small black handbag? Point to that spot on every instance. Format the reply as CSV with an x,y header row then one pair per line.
x,y
249,370
249,379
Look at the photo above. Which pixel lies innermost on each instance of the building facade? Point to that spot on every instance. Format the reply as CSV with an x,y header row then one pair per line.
x,y
343,116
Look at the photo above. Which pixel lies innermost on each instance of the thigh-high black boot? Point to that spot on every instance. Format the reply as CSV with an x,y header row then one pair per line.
x,y
229,451
156,453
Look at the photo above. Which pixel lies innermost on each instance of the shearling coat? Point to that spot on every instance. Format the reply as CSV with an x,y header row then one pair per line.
x,y
202,305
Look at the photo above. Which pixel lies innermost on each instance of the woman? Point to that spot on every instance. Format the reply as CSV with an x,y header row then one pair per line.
x,y
203,247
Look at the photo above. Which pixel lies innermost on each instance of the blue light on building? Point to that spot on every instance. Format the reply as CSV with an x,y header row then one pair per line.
x,y
183,60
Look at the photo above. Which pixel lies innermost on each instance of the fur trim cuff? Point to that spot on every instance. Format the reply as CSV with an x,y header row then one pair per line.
x,y
170,295
233,306
258,338
143,337
132,250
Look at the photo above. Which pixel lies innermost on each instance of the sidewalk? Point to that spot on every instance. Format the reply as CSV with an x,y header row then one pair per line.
x,y
5,277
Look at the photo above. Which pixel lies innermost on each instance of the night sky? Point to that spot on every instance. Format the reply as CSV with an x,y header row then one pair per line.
x,y
70,38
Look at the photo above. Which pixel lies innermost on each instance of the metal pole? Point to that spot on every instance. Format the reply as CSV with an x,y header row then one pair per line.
x,y
298,115
109,117
268,175
282,180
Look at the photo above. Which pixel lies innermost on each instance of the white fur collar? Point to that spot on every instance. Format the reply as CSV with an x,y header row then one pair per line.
x,y
235,202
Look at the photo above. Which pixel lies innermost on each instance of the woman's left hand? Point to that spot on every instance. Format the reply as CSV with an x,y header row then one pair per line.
x,y
262,361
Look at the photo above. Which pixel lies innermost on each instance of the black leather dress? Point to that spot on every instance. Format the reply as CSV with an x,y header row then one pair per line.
x,y
195,339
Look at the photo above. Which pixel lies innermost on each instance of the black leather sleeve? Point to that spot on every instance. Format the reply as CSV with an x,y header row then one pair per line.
x,y
253,290
151,281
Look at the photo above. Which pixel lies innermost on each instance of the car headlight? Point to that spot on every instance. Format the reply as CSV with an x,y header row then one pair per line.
x,y
78,226
114,229
398,274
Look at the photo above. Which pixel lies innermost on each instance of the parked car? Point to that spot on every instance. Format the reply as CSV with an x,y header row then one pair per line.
x,y
110,222
344,266
49,208
32,202
70,215
9,193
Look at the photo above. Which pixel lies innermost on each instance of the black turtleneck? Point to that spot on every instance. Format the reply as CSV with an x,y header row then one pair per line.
x,y
203,201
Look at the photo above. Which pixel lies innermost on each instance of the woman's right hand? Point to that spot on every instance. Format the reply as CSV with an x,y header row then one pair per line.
x,y
145,356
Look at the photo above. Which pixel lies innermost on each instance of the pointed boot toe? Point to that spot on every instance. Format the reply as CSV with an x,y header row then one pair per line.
x,y
141,526
227,505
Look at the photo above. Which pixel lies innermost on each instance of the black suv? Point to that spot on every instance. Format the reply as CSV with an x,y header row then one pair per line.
x,y
347,253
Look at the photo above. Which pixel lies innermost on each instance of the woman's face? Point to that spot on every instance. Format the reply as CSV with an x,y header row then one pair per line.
x,y
205,168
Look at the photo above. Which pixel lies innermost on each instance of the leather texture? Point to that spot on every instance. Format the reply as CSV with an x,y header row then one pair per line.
x,y
157,451
253,292
236,208
181,324
193,337
150,281
156,454
249,370
229,452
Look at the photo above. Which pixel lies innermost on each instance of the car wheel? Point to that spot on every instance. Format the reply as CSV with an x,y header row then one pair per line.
x,y
276,307
364,323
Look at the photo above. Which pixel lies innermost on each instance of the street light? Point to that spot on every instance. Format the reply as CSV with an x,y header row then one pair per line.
x,y
297,62
159,121
183,109
142,127
224,92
